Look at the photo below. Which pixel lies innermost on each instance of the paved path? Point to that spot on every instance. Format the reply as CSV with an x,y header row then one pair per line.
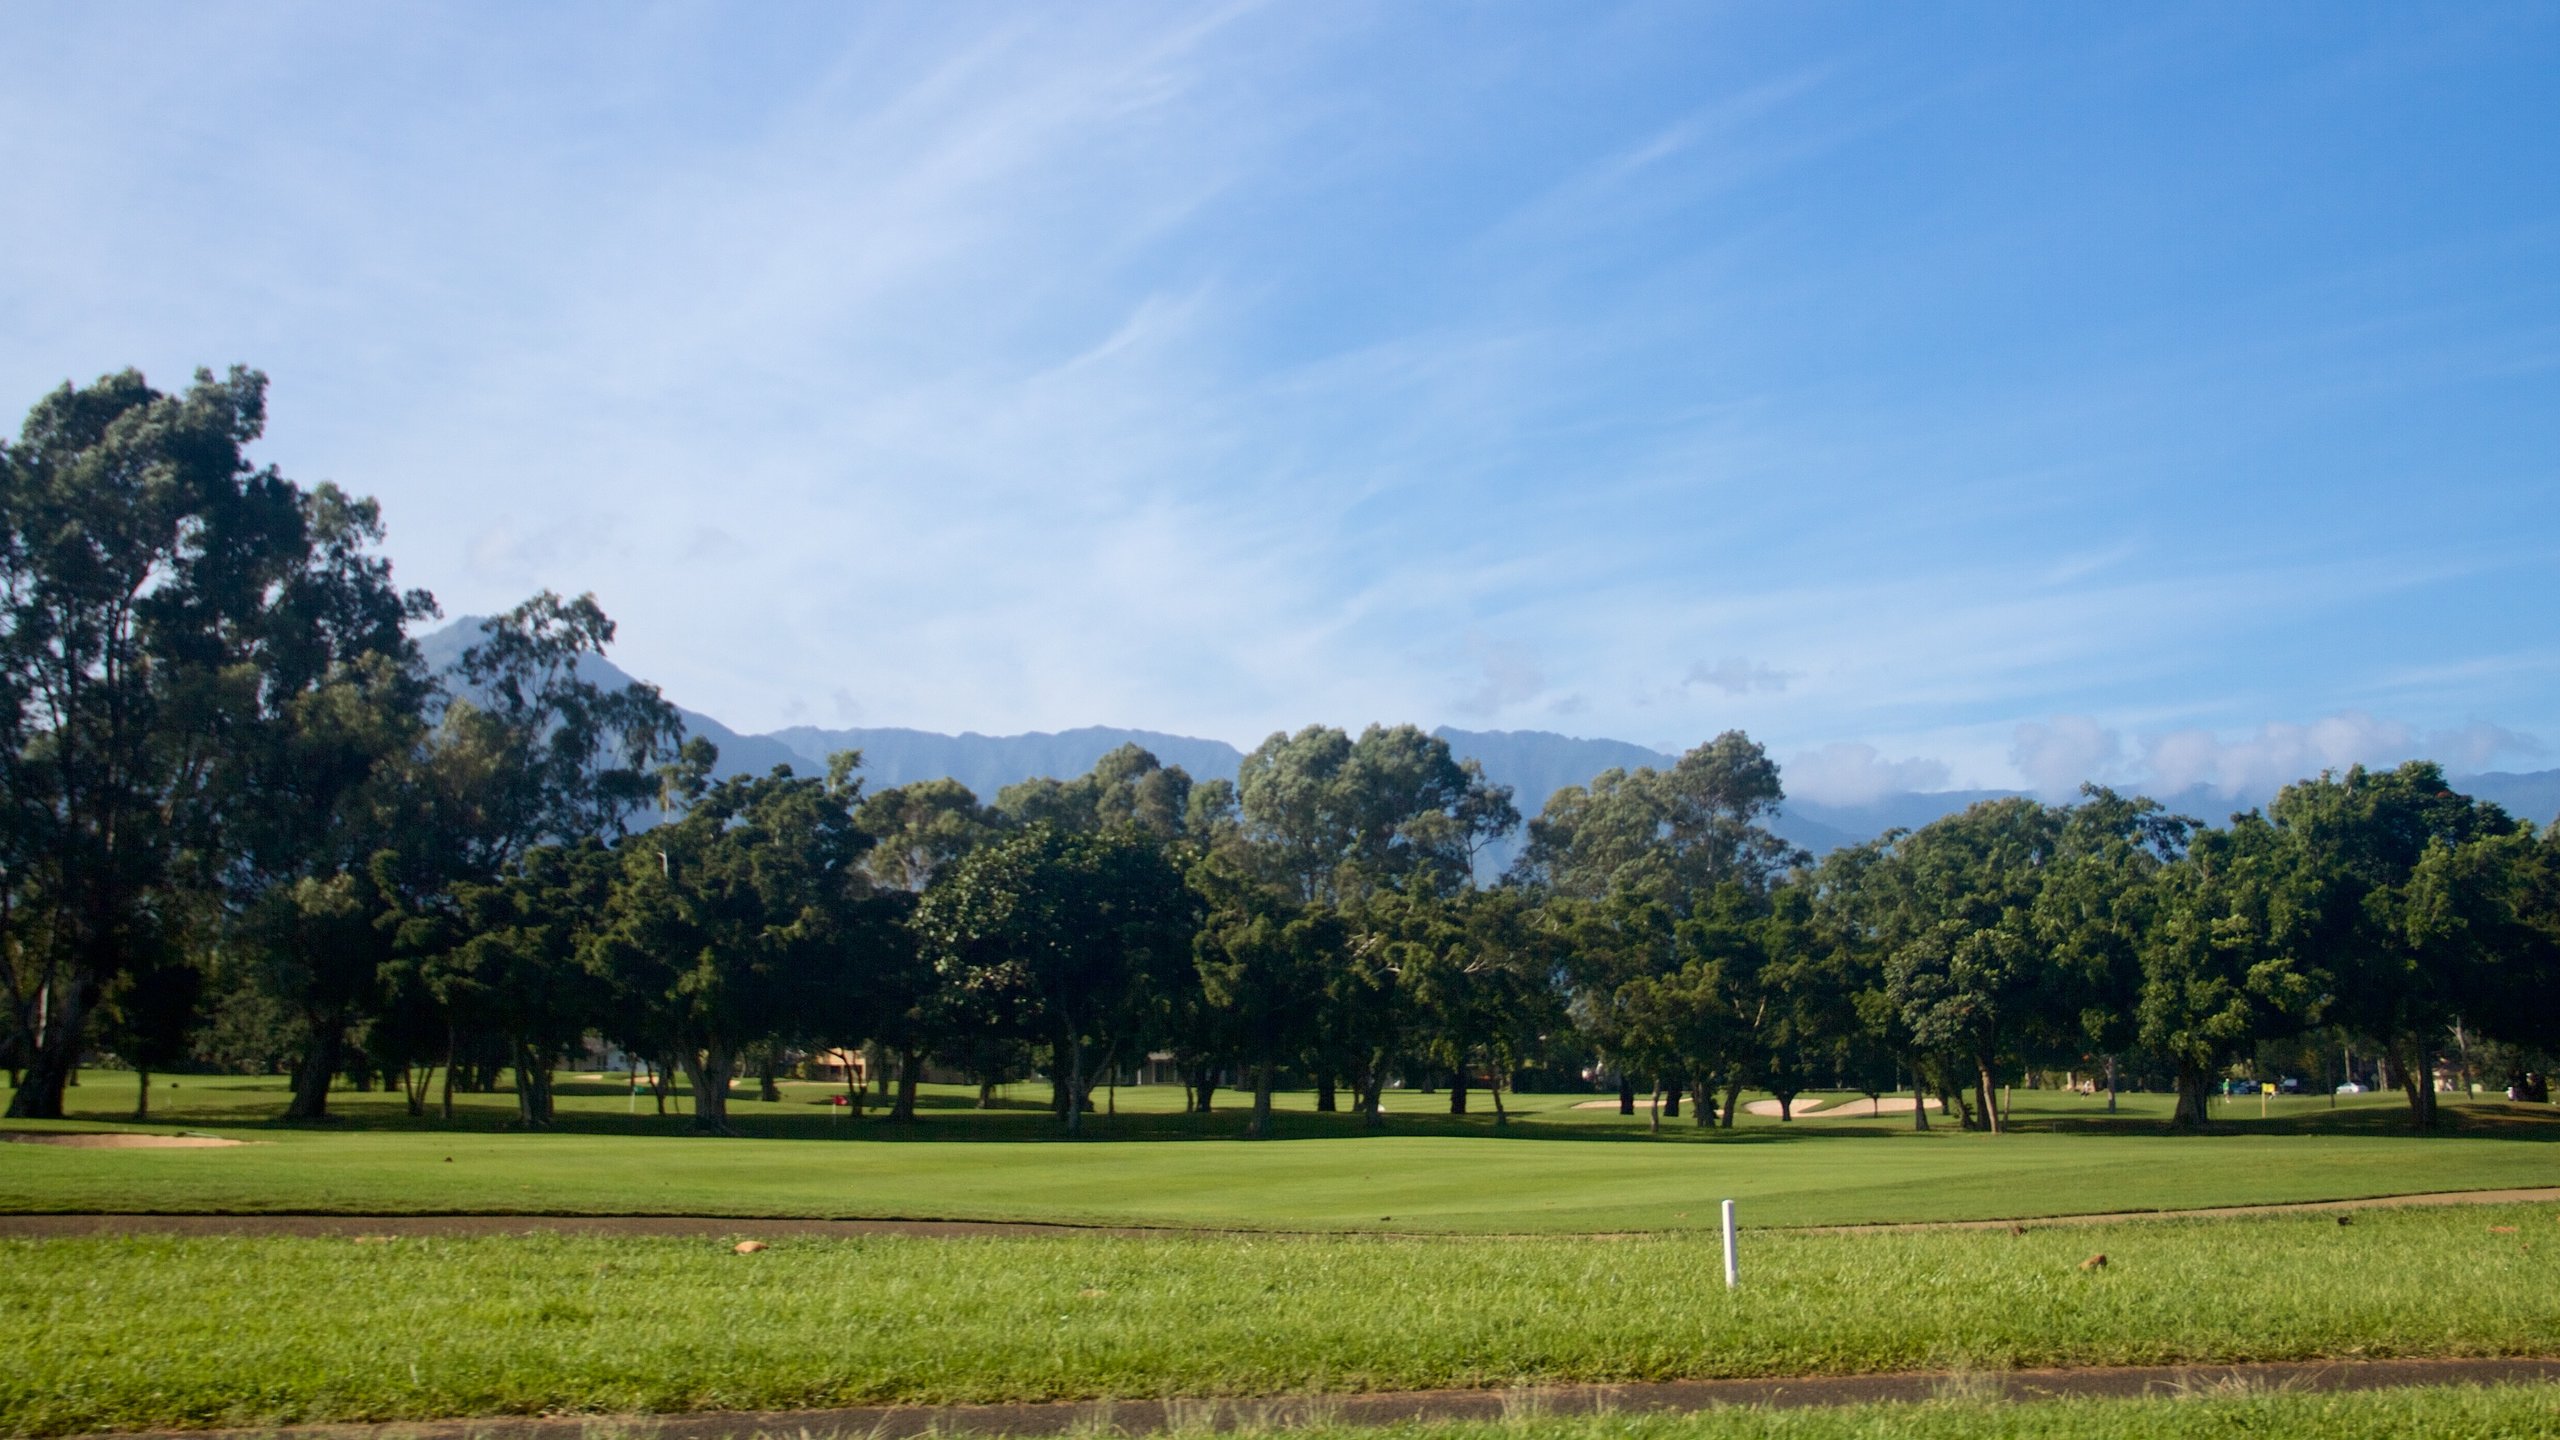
x,y
717,1226
1138,1417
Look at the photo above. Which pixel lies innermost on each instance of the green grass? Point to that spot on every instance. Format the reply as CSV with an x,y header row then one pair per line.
x,y
1559,1170
157,1331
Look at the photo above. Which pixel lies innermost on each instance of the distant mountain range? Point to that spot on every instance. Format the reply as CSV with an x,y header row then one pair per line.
x,y
1534,763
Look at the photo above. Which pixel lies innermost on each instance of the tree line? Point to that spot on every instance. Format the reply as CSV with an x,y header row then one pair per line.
x,y
245,823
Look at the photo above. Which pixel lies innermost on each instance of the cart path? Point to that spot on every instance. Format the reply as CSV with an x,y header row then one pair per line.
x,y
698,1227
1139,1417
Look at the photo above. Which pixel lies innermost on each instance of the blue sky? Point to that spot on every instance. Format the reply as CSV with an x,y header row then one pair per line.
x,y
1946,395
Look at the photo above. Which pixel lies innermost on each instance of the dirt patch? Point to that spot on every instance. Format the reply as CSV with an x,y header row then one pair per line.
x,y
1142,1417
120,1140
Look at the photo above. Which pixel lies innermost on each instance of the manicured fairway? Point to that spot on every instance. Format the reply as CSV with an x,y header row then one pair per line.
x,y
141,1331
1563,1171
1393,1183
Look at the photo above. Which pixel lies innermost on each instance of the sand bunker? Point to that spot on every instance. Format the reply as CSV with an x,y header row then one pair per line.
x,y
1845,1110
123,1141
1804,1106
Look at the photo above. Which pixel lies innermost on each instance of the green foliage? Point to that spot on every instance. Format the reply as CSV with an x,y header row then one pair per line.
x,y
1672,834
202,667
918,829
2216,979
1329,818
721,925
1062,937
1262,959
2394,944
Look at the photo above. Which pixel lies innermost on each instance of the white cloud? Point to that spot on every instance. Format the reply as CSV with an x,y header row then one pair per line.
x,y
2480,746
2257,763
1737,676
1853,773
1510,677
2264,760
2059,755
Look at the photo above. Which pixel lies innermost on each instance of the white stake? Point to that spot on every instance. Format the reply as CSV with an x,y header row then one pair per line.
x,y
1732,1273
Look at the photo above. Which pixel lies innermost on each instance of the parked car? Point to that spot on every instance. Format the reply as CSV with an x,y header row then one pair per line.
x,y
2351,1088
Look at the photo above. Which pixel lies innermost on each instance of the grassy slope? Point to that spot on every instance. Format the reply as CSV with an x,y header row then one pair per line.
x,y
1557,1169
155,1331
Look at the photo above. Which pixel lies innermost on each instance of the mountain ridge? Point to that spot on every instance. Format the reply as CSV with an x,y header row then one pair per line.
x,y
1535,763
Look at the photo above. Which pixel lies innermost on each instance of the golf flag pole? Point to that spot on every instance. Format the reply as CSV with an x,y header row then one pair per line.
x,y
1732,1273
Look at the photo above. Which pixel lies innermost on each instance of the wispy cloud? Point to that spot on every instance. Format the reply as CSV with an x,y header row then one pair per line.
x,y
1225,369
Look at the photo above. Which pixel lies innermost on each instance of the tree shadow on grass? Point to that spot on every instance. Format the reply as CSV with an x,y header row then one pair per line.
x,y
597,1108
2478,1120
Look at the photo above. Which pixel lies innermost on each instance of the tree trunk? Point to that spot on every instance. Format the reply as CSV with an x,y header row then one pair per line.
x,y
709,1071
1671,1096
1919,1105
1626,1093
1493,1087
1260,1127
986,1095
1702,1104
141,1093
1106,1069
1990,1097
1732,1095
51,1058
2111,1084
312,1074
910,1060
1373,1115
2190,1111
533,1087
1653,1109
1075,1085
2415,1060
852,1087
1458,1091
1786,1109
450,1044
768,1070
1324,1093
